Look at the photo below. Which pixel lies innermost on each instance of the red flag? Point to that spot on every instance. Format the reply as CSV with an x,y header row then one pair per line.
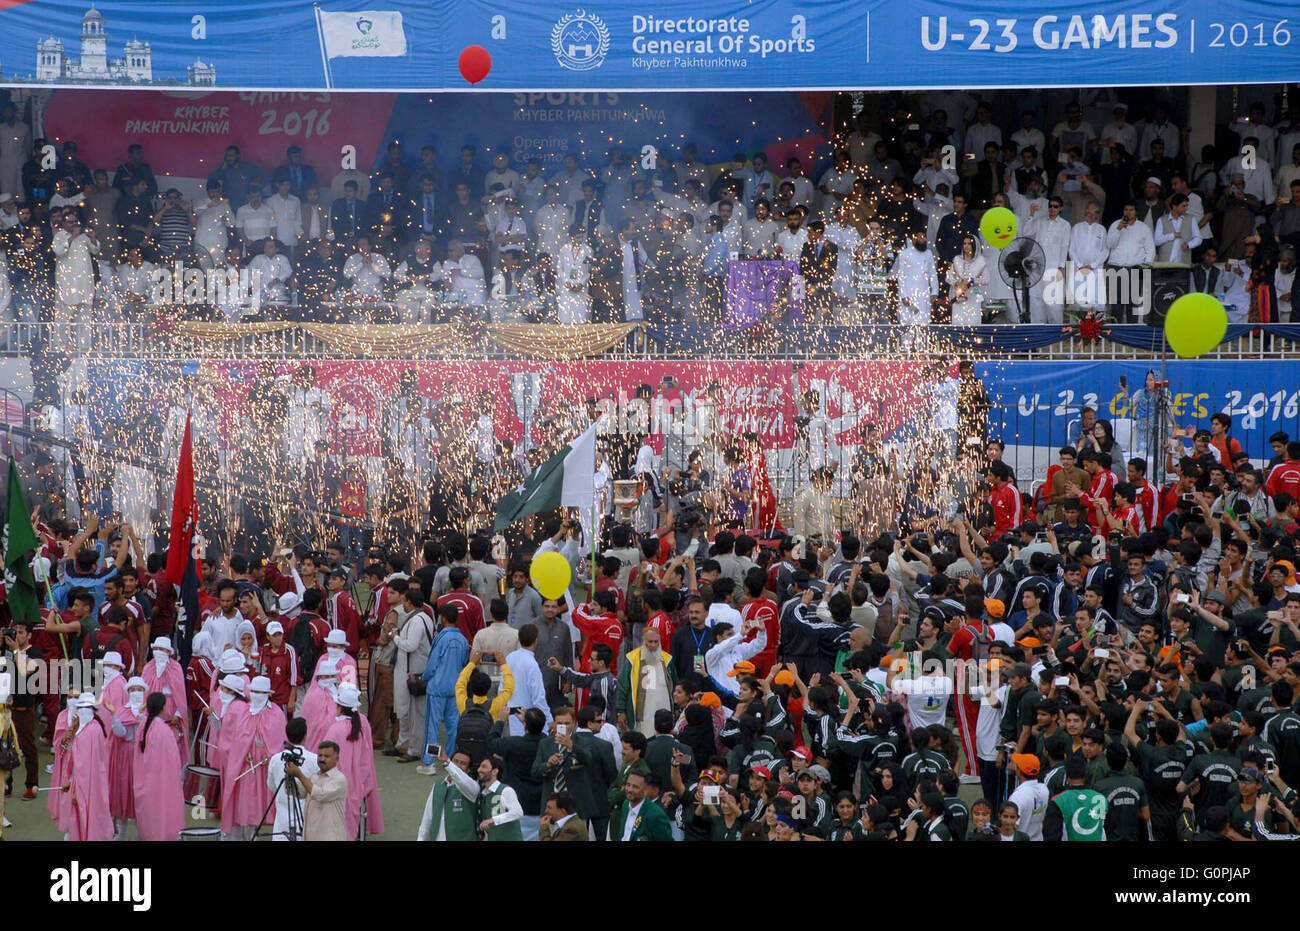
x,y
184,513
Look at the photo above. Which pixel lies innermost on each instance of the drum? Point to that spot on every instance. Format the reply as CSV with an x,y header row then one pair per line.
x,y
200,834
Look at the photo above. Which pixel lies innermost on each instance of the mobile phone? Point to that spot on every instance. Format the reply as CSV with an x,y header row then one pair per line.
x,y
1099,653
1188,497
433,750
1041,536
1060,681
561,730
1182,598
712,794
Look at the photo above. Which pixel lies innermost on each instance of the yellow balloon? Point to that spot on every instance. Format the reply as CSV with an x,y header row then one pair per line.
x,y
551,575
1195,324
998,226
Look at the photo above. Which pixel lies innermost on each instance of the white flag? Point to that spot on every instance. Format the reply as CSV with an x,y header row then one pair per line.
x,y
369,34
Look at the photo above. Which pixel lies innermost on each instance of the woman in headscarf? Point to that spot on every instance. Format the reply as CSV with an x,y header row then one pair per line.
x,y
121,755
159,801
246,643
248,738
86,779
698,734
165,676
351,731
318,706
64,730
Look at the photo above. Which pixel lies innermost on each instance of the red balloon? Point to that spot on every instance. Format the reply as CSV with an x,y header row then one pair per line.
x,y
475,63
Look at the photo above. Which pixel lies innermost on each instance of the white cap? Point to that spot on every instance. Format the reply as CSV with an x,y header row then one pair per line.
x,y
260,684
336,638
275,627
164,643
135,682
1154,180
289,602
85,700
5,196
349,696
114,658
327,667
232,661
234,683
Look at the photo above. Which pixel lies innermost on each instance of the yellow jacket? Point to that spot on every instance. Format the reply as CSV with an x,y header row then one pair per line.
x,y
503,695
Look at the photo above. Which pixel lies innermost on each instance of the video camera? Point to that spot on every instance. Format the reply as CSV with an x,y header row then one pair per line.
x,y
292,754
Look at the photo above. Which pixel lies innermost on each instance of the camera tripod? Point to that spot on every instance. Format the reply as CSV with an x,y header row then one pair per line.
x,y
293,810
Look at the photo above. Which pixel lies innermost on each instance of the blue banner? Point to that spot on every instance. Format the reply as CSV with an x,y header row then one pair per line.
x,y
669,45
1037,405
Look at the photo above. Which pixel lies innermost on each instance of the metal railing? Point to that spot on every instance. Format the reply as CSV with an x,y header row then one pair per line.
x,y
142,340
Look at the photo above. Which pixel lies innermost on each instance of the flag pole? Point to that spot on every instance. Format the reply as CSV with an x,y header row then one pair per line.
x,y
320,37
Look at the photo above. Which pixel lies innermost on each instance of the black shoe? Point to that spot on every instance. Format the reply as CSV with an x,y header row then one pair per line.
x,y
391,751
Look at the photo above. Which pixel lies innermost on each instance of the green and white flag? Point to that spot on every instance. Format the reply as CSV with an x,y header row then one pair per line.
x,y
368,34
565,480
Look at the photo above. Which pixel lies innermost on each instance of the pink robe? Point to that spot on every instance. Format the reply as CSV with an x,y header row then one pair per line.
x,y
159,802
214,693
121,760
347,670
88,815
114,694
319,710
172,684
56,802
247,739
357,762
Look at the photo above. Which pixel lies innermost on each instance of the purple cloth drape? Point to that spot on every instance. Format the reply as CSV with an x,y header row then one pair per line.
x,y
754,286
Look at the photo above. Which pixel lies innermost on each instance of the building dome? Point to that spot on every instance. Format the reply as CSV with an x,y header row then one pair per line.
x,y
92,16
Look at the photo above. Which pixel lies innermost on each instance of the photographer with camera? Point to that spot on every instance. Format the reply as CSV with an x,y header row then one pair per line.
x,y
288,799
325,816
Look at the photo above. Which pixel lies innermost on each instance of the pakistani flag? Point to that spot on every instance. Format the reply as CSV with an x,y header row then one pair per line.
x,y
564,480
19,542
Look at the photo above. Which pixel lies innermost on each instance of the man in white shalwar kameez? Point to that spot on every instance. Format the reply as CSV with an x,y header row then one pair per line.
x,y
572,273
917,281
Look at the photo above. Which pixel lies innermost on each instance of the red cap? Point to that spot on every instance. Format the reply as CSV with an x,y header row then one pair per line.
x,y
802,753
762,771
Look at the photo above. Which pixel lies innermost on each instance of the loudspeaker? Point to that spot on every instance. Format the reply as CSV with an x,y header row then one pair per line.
x,y
1167,286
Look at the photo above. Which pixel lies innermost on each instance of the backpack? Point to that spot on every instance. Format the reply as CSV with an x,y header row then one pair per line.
x,y
300,639
472,732
97,653
981,642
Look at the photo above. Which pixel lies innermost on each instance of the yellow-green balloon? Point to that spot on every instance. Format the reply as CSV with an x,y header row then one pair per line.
x,y
551,575
1195,324
998,226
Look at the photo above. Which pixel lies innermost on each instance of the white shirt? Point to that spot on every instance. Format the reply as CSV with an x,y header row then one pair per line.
x,y
274,773
633,812
466,784
791,243
510,227
987,724
466,277
978,135
136,281
1088,245
1160,237
213,222
271,268
288,218
927,698
1124,134
1259,180
758,234
552,227
1166,132
507,805
255,223
1031,798
721,611
1133,245
1053,236
367,276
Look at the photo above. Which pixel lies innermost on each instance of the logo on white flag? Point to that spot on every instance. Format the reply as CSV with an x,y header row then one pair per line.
x,y
580,41
372,33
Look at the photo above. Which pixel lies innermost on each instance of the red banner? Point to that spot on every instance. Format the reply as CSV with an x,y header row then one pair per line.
x,y
760,397
185,133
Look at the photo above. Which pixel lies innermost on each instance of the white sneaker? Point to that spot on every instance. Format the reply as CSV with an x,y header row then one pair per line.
x,y
8,823
969,779
429,770
49,769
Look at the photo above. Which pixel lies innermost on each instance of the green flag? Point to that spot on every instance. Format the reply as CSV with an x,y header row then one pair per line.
x,y
564,480
19,542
